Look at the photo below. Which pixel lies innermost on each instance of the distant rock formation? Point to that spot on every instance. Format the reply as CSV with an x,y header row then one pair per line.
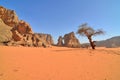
x,y
109,43
69,41
15,32
113,42
60,41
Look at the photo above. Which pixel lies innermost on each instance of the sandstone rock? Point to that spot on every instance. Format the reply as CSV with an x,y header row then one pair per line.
x,y
16,35
32,40
28,40
8,16
15,32
15,43
60,41
23,28
71,41
45,38
5,32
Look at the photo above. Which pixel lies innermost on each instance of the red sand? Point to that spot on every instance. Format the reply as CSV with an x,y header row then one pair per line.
x,y
59,63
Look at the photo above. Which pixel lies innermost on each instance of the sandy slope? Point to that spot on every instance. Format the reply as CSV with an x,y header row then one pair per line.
x,y
23,63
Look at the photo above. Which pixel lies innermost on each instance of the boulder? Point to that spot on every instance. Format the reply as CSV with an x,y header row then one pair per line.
x,y
70,40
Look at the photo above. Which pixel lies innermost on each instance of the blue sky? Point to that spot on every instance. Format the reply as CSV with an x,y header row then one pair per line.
x,y
58,17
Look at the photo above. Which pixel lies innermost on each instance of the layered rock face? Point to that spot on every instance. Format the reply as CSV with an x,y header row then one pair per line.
x,y
18,32
69,40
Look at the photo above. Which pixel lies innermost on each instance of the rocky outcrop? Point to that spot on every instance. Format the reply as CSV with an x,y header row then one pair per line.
x,y
5,32
60,41
15,32
70,40
23,27
8,16
45,38
19,27
36,40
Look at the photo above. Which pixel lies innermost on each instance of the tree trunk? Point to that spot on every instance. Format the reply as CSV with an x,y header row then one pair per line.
x,y
91,43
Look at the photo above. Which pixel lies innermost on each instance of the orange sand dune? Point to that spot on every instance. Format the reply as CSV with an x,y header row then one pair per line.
x,y
59,63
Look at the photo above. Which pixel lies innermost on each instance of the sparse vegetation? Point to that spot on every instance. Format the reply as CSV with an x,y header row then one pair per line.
x,y
85,30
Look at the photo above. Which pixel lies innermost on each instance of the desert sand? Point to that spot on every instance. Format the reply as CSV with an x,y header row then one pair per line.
x,y
59,63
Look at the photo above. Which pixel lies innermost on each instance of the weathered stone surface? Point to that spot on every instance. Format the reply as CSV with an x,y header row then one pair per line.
x,y
15,32
45,38
8,16
70,40
33,40
23,27
5,32
16,35
60,41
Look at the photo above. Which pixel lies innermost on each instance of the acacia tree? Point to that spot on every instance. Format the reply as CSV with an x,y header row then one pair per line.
x,y
85,30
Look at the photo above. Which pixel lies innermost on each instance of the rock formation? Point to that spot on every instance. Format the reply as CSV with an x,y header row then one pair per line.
x,y
46,38
19,27
8,16
5,32
60,41
71,41
15,32
36,40
23,27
